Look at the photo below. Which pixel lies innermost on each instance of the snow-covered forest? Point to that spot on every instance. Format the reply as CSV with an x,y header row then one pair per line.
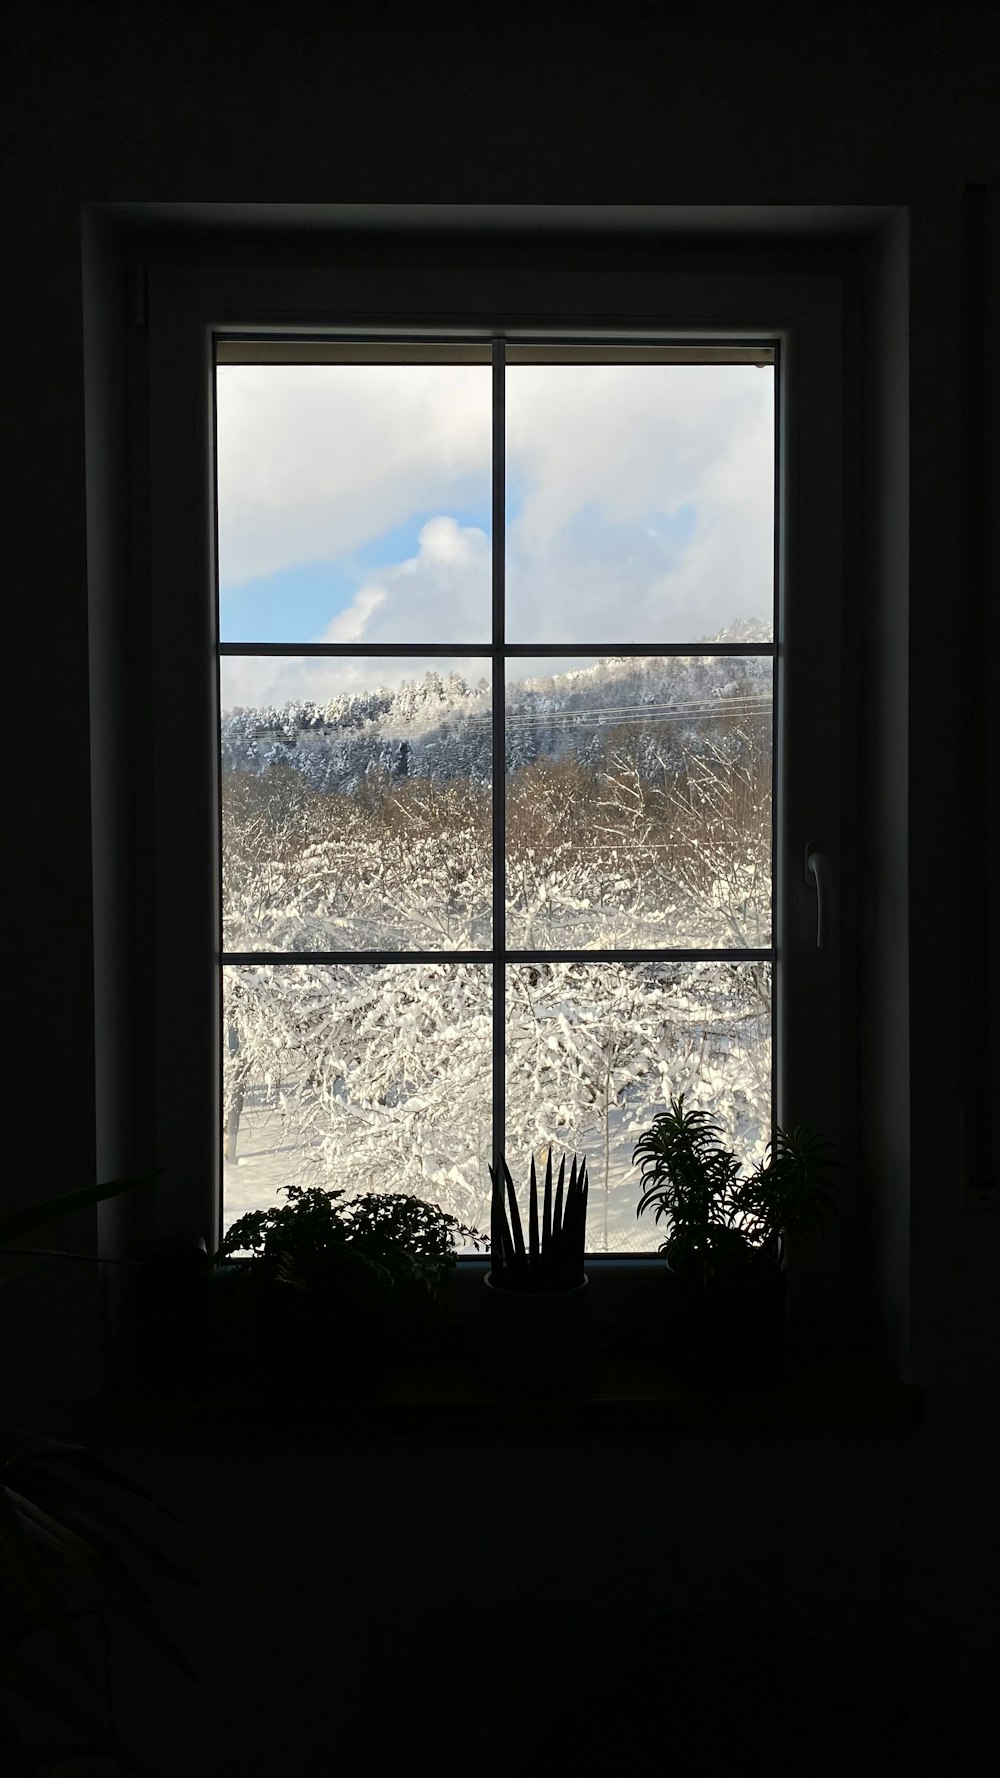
x,y
638,816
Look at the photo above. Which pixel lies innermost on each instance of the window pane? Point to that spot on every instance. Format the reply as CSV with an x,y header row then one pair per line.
x,y
357,814
354,502
359,1077
594,1051
639,803
640,502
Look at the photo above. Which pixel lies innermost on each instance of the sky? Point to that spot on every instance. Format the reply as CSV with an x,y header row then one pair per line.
x,y
355,506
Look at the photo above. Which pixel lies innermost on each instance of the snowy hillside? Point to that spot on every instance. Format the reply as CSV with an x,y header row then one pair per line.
x,y
438,726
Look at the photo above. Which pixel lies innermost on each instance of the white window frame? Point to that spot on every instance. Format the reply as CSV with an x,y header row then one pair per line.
x,y
180,300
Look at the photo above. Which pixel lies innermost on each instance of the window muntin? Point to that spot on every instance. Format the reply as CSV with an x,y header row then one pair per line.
x,y
699,1020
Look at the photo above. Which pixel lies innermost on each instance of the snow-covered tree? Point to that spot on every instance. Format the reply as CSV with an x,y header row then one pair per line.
x,y
638,815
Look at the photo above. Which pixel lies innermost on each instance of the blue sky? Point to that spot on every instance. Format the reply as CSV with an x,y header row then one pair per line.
x,y
295,604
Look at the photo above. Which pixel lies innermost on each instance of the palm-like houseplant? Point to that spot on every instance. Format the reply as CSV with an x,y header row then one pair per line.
x,y
53,1530
728,1233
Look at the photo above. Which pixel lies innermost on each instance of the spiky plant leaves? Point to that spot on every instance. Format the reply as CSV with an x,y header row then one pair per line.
x,y
15,1265
102,1565
567,1232
52,1700
62,1523
501,1243
496,1235
533,1216
554,1257
27,1579
508,1266
517,1234
33,1447
557,1212
77,1512
575,1220
15,1223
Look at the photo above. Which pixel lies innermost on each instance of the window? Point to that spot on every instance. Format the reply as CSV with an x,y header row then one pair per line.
x,y
496,688
452,298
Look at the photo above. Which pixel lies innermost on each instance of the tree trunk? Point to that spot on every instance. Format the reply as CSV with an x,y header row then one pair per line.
x,y
233,1125
607,1151
233,1119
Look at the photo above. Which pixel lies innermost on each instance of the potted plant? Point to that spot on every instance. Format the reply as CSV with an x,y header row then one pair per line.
x,y
725,1252
538,1334
52,1529
333,1281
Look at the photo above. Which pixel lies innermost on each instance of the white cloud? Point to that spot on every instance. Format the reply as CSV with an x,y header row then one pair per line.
x,y
621,442
632,439
316,460
441,593
352,624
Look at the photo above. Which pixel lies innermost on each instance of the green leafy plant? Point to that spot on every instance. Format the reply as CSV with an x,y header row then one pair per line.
x,y
724,1227
552,1259
364,1250
52,1529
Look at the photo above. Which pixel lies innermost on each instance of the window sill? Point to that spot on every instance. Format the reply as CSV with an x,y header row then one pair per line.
x,y
440,1391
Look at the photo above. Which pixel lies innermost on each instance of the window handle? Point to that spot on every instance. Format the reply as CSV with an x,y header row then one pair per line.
x,y
820,877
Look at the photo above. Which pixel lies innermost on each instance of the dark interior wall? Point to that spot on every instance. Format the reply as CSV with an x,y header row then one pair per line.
x,y
681,106
645,104
885,737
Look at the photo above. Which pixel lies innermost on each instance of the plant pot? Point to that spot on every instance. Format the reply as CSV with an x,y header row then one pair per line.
x,y
726,1337
538,1343
310,1348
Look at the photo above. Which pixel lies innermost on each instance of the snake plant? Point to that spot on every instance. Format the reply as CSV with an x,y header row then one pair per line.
x,y
552,1257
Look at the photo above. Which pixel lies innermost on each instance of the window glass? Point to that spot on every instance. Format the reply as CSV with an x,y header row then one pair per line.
x,y
640,501
354,502
594,1050
359,1076
639,803
356,812
388,967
